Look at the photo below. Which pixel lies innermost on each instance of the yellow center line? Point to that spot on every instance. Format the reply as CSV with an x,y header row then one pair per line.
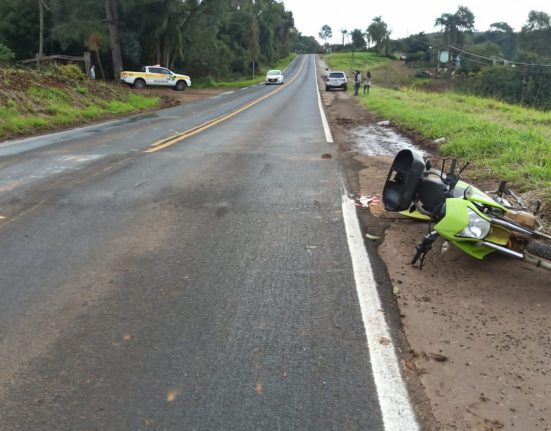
x,y
167,142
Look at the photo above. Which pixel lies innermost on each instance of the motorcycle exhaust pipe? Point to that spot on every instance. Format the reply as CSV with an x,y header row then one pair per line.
x,y
502,249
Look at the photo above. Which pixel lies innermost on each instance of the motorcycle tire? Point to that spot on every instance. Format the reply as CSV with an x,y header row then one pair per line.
x,y
539,249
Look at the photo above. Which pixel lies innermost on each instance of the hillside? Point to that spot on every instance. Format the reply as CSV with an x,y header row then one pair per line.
x,y
33,102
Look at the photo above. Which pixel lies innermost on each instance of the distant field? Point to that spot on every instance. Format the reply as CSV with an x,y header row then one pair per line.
x,y
348,61
505,141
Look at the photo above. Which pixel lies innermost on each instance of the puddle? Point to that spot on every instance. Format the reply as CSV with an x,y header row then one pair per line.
x,y
375,140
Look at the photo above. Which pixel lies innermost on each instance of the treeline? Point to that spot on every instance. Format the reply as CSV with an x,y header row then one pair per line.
x,y
512,66
209,38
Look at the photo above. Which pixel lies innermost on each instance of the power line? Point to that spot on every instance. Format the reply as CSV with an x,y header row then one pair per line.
x,y
493,60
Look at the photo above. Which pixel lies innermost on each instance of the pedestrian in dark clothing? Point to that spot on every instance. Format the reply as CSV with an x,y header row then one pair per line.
x,y
367,82
357,82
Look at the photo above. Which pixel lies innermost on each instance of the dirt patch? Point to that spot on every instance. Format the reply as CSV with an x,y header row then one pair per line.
x,y
477,331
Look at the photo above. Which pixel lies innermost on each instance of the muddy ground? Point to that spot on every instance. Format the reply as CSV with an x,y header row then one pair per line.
x,y
478,331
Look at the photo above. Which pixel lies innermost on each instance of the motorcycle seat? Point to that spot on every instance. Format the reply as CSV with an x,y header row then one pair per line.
x,y
432,192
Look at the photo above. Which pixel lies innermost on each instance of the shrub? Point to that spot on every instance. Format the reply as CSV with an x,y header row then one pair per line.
x,y
71,71
6,55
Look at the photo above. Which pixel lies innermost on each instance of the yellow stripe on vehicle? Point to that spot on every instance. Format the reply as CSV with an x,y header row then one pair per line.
x,y
167,142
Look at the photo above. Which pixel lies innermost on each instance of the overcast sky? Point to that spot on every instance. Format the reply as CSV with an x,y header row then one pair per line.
x,y
404,17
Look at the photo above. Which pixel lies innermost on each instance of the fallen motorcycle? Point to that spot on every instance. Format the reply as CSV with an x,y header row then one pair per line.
x,y
462,214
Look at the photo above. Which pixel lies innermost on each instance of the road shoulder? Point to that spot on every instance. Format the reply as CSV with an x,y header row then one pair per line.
x,y
475,333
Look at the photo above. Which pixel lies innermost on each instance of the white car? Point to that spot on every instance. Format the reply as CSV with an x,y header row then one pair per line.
x,y
274,77
336,80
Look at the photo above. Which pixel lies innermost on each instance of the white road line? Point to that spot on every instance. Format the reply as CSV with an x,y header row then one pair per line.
x,y
393,398
326,129
225,93
396,409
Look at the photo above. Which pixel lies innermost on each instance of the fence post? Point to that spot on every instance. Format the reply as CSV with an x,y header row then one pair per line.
x,y
87,62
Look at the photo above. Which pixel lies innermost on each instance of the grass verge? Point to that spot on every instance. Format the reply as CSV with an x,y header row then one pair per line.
x,y
503,140
31,102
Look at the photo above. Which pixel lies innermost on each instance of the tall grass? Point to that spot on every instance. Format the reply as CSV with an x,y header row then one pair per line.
x,y
504,140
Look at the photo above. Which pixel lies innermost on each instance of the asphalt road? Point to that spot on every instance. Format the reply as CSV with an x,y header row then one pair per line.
x,y
204,286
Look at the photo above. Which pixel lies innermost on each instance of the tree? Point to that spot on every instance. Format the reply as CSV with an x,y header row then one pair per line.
x,y
112,14
537,21
159,25
378,32
535,35
217,38
325,33
74,22
358,41
41,29
416,43
455,24
503,35
344,32
19,27
306,45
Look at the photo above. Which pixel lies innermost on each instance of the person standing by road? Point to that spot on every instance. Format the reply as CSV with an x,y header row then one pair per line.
x,y
92,72
367,82
357,82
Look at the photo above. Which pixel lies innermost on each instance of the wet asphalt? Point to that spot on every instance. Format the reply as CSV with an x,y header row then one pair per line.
x,y
206,286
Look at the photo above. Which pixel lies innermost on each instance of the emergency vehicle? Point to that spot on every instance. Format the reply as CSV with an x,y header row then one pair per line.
x,y
155,76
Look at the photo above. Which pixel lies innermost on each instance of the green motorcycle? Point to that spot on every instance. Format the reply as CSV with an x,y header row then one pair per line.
x,y
462,214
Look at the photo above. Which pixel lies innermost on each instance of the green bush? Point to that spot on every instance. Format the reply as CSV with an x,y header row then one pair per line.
x,y
529,87
71,71
418,57
6,55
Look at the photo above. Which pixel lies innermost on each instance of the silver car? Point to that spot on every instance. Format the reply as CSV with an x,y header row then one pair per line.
x,y
336,79
274,77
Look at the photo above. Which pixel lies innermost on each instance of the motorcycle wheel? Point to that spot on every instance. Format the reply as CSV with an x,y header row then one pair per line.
x,y
539,249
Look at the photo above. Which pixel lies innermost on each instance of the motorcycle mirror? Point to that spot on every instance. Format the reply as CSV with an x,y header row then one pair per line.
x,y
463,168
